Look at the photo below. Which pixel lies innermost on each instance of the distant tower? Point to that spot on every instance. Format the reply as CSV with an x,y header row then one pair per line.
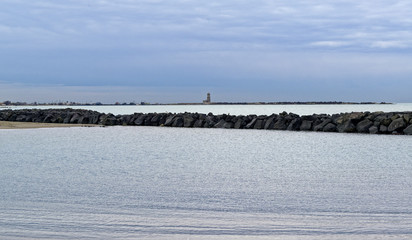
x,y
207,101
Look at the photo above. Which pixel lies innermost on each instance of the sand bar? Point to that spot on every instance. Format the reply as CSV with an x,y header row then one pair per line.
x,y
24,125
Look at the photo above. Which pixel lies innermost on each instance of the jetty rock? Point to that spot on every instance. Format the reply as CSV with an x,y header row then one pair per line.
x,y
353,122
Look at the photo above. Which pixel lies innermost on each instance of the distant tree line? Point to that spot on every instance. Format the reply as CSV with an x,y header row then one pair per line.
x,y
67,103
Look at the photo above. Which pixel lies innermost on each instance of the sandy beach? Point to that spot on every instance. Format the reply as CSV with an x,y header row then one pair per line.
x,y
24,125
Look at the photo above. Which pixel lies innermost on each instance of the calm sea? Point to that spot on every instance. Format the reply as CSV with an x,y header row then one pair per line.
x,y
241,109
179,183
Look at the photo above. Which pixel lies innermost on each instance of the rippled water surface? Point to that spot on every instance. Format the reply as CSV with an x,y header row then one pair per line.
x,y
176,183
243,109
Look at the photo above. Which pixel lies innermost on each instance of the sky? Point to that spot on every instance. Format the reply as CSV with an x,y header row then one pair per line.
x,y
170,51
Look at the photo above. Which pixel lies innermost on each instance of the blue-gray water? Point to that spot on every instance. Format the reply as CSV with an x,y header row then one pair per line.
x,y
176,183
242,109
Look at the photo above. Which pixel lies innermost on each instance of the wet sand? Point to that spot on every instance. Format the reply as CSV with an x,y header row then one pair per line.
x,y
24,125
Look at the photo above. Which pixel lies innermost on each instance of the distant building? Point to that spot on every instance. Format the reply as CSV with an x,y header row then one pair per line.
x,y
207,101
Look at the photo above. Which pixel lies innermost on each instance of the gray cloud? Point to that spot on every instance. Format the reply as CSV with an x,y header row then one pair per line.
x,y
207,44
219,24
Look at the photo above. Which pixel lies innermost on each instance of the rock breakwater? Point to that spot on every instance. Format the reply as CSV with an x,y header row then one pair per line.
x,y
355,122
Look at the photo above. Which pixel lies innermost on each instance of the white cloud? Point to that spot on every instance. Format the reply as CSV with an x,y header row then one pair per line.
x,y
330,44
274,24
389,44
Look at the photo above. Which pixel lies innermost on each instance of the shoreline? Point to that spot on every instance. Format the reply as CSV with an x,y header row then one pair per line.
x,y
195,103
32,125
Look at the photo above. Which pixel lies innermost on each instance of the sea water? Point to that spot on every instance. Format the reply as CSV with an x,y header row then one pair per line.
x,y
300,109
180,183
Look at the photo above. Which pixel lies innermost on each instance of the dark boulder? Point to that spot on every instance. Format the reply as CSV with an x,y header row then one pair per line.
x,y
140,120
207,124
178,122
47,119
311,118
29,118
395,116
240,123
280,124
374,130
169,120
306,125
383,129
317,122
234,119
86,120
108,120
251,124
334,117
353,118
408,130
220,124
162,119
21,118
269,123
38,119
188,121
289,118
155,120
134,117
211,121
347,127
295,124
249,118
407,117
222,116
229,118
259,124
122,119
363,126
148,119
321,125
59,119
228,125
397,125
2,115
330,127
384,119
356,117
67,118
202,116
75,119
198,124
94,118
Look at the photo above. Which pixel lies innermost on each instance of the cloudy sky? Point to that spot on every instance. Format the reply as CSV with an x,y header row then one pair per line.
x,y
178,50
